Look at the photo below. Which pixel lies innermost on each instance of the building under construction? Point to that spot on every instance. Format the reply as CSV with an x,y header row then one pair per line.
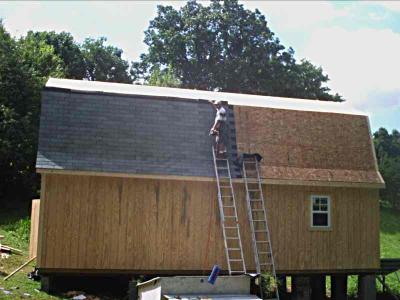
x,y
130,185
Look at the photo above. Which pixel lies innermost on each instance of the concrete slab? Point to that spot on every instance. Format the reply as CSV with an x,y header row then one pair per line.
x,y
179,287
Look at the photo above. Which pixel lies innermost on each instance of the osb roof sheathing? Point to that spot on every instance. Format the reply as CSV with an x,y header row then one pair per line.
x,y
304,145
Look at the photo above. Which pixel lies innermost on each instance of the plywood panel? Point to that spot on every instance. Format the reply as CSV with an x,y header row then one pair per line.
x,y
101,223
304,145
33,240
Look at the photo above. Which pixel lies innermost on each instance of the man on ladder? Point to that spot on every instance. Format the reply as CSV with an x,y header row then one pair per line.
x,y
219,127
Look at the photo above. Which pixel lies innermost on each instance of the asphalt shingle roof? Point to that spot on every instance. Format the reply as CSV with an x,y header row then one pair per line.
x,y
127,134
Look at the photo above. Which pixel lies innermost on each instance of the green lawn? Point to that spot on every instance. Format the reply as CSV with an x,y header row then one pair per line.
x,y
15,227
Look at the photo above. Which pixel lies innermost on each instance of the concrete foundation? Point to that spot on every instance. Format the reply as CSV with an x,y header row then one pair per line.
x,y
301,288
318,287
366,287
339,287
179,287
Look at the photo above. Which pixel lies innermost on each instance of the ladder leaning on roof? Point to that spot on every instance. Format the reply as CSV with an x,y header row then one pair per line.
x,y
261,239
228,216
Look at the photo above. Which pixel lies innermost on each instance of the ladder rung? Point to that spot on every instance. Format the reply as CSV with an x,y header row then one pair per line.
x,y
222,168
261,230
257,190
262,242
237,271
225,186
265,264
220,159
230,227
256,200
233,249
263,253
235,259
257,210
258,220
249,162
229,206
232,238
230,217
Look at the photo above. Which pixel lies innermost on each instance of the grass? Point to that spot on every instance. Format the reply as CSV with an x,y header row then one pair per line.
x,y
15,226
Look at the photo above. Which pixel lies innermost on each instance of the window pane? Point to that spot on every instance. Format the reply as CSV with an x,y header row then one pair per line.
x,y
324,207
316,200
320,219
324,201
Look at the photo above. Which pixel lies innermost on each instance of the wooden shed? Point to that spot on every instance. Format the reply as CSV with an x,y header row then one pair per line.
x,y
128,183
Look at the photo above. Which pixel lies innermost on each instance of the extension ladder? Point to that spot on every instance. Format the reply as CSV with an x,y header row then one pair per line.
x,y
228,216
257,214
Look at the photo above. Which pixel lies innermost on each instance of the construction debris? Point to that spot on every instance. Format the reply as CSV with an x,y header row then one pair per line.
x,y
19,268
5,250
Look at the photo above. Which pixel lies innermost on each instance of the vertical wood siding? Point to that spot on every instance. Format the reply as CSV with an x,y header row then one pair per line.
x,y
94,222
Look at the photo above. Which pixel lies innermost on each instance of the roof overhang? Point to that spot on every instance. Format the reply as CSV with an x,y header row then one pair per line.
x,y
212,179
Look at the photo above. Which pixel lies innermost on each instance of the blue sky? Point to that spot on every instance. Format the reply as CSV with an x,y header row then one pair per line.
x,y
356,43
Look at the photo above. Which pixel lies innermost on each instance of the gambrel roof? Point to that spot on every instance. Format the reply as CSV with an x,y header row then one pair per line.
x,y
115,128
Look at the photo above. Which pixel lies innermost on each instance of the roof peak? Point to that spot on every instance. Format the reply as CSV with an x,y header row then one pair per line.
x,y
180,93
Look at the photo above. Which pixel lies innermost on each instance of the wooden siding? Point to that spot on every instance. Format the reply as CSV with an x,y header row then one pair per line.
x,y
109,223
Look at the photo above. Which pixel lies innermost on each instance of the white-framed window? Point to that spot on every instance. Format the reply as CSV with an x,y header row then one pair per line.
x,y
320,211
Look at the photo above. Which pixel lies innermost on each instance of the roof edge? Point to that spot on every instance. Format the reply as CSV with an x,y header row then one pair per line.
x,y
180,93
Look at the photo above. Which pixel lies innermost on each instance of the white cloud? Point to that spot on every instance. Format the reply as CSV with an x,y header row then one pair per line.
x,y
391,5
363,64
296,14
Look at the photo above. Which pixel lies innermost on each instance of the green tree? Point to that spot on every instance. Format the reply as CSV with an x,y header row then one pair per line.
x,y
104,63
19,110
387,147
65,47
164,78
226,47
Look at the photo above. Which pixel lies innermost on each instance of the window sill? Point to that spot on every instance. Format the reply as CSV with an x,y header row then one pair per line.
x,y
320,228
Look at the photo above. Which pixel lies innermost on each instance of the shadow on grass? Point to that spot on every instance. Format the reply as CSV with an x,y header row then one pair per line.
x,y
390,221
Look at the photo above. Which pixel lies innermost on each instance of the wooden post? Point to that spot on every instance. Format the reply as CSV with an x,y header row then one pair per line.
x,y
33,240
339,287
301,288
366,287
318,287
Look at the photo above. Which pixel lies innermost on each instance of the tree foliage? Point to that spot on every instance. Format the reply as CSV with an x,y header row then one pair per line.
x,y
226,47
165,78
25,66
66,50
387,147
19,110
104,63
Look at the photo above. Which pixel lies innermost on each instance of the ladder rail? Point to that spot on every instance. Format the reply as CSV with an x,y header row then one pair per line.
x,y
250,216
266,220
221,212
267,254
234,216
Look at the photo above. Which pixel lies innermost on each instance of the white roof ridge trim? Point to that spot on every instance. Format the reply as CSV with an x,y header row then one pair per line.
x,y
231,98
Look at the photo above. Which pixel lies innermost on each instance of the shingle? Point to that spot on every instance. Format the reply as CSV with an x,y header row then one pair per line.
x,y
103,133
